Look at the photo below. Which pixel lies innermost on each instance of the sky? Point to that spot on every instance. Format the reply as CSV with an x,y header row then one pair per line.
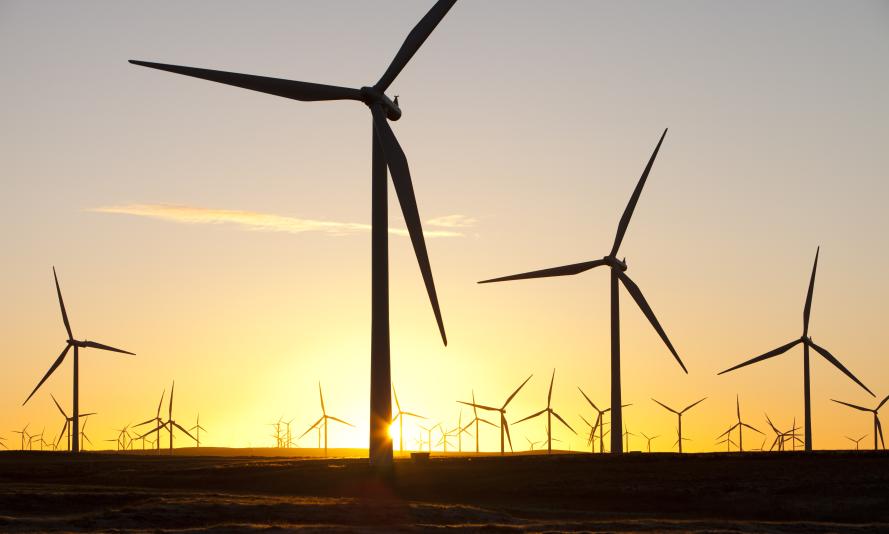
x,y
223,235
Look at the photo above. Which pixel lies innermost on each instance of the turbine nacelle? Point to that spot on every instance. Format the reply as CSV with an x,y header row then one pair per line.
x,y
614,263
371,96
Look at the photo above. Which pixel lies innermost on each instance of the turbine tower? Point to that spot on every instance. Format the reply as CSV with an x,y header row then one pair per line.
x,y
77,344
807,342
69,421
618,275
549,416
504,424
476,420
387,152
679,415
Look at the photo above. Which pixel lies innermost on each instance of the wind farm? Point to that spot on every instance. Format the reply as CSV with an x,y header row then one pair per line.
x,y
245,246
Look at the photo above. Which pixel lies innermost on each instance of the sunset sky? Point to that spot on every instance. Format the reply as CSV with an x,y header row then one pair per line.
x,y
223,235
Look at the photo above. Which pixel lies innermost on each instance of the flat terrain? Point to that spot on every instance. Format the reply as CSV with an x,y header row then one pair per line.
x,y
751,492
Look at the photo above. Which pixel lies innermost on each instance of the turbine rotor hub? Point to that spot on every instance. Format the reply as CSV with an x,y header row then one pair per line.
x,y
614,263
372,96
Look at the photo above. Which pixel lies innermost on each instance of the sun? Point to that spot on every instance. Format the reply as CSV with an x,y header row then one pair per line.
x,y
392,432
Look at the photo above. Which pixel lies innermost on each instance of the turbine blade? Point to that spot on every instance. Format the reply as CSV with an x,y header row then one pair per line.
x,y
727,431
559,417
307,92
404,189
665,406
414,41
158,429
321,395
564,270
59,407
54,366
411,414
830,357
549,396
634,198
882,402
145,422
170,406
313,427
637,295
880,431
593,404
161,402
753,428
62,305
516,392
395,393
177,425
862,408
93,344
482,406
692,405
508,437
487,422
772,353
808,308
338,420
541,412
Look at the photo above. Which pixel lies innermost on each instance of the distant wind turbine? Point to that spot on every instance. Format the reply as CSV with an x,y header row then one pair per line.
x,y
156,420
504,424
24,434
400,415
679,416
878,428
77,344
476,420
322,421
198,428
740,425
549,416
600,419
618,274
170,424
69,420
387,152
856,441
649,439
627,435
807,342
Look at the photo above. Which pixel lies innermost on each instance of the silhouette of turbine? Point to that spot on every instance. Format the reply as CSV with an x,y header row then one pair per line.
x,y
878,428
322,421
400,415
856,441
170,424
549,416
740,426
600,419
77,344
618,274
476,420
66,430
807,342
156,420
649,439
387,152
198,428
679,440
504,424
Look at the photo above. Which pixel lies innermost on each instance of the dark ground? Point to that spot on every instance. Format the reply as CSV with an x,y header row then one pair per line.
x,y
751,492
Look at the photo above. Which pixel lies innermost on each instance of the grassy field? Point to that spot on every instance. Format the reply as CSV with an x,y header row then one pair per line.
x,y
229,490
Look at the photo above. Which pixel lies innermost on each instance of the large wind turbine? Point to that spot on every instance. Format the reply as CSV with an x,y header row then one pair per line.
x,y
878,428
322,421
679,416
387,152
740,425
77,344
549,416
618,274
504,424
807,342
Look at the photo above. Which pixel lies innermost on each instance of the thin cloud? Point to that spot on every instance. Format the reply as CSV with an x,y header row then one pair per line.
x,y
263,222
453,221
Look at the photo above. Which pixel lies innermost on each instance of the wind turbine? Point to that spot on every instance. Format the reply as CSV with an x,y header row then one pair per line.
x,y
77,344
600,419
429,435
878,428
531,444
504,424
679,415
170,424
387,152
197,428
618,274
728,443
807,343
856,441
591,440
400,417
322,421
648,439
740,425
69,421
3,443
549,416
627,435
460,431
156,420
83,436
24,434
445,434
476,420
